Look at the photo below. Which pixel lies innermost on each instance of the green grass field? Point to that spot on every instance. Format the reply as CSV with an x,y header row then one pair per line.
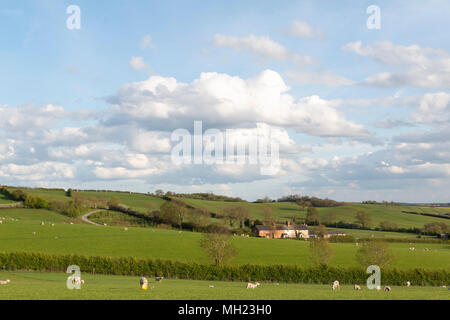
x,y
65,238
52,286
3,200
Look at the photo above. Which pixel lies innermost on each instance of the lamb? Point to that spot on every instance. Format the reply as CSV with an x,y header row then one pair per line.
x,y
252,286
387,288
159,279
77,280
336,285
357,287
408,284
5,281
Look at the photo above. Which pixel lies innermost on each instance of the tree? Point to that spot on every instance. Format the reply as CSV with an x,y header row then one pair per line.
x,y
375,252
435,228
199,217
269,220
229,213
363,219
159,193
312,216
114,202
387,225
321,252
218,247
320,231
242,214
330,218
174,212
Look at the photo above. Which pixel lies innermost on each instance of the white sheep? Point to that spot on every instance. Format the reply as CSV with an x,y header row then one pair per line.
x,y
336,285
42,223
159,279
211,286
1,221
408,284
52,224
77,280
5,281
252,286
387,288
126,229
357,287
412,249
33,233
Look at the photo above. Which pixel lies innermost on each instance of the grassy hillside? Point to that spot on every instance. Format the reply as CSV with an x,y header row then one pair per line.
x,y
86,239
3,200
286,210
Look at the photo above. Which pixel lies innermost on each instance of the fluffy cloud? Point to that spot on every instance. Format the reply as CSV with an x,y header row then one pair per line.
x,y
300,29
223,100
422,67
262,46
138,63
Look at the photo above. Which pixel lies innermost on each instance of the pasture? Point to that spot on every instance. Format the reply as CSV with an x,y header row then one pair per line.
x,y
65,238
52,286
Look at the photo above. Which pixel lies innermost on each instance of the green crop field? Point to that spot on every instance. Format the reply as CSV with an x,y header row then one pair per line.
x,y
52,286
91,240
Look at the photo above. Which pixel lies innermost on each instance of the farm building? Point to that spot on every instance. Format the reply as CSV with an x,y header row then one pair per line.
x,y
330,233
282,231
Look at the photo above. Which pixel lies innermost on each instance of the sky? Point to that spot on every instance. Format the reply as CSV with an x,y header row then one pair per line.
x,y
358,113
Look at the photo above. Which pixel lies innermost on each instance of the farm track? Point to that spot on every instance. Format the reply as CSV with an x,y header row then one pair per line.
x,y
85,217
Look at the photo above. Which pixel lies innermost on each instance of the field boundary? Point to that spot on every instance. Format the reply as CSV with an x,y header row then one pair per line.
x,y
191,270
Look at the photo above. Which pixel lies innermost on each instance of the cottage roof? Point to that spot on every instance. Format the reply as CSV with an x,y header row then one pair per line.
x,y
282,227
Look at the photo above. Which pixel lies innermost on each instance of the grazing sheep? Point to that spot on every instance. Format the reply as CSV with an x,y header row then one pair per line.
x,y
77,280
71,223
408,284
105,224
336,285
426,249
33,233
412,249
357,287
444,287
1,221
5,281
126,229
52,224
356,244
211,286
252,286
159,279
42,223
387,288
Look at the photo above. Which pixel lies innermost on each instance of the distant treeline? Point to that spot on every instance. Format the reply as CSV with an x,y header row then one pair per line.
x,y
306,201
190,270
200,196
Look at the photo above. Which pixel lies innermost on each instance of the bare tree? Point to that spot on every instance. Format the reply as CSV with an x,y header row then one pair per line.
x,y
321,252
218,247
375,252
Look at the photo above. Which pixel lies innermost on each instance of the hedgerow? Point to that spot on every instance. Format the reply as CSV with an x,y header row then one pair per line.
x,y
190,270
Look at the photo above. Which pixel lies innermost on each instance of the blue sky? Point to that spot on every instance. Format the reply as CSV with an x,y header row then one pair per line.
x,y
368,117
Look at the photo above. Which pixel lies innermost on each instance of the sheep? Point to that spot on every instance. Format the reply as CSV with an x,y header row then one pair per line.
x,y
387,288
52,224
77,280
5,281
336,285
357,287
71,223
412,249
42,223
211,286
33,233
408,284
426,249
105,224
252,286
126,229
159,279
1,221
